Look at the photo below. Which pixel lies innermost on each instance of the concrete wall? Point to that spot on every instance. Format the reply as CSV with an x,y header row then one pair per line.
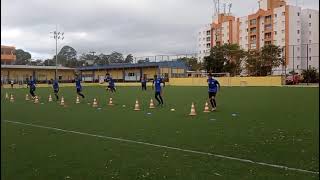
x,y
229,81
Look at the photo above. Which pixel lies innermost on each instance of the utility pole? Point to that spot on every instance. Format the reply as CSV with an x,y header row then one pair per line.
x,y
57,36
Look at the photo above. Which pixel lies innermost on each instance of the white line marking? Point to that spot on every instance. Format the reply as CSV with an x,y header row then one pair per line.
x,y
168,147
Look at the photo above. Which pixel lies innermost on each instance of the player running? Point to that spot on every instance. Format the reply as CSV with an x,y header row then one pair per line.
x,y
158,89
55,85
111,85
78,86
32,85
143,83
213,89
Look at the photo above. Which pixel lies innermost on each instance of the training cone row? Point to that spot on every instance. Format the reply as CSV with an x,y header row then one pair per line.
x,y
77,100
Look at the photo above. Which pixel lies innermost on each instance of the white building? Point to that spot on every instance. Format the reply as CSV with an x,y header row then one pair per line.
x,y
204,42
278,23
310,39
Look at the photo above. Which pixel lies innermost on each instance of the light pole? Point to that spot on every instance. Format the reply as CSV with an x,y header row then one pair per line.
x,y
57,35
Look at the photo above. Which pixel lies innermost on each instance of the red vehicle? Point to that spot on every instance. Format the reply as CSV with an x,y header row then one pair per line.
x,y
292,79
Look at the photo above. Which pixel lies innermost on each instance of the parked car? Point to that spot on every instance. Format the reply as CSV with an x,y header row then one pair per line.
x,y
293,79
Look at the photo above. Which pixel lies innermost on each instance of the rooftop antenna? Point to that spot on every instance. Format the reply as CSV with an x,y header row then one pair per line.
x,y
224,8
259,2
230,5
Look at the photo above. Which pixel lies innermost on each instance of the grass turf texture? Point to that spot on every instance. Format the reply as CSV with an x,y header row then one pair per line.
x,y
273,125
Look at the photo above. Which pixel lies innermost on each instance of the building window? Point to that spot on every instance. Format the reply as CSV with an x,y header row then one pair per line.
x,y
283,13
310,41
275,15
298,40
275,33
283,40
297,66
309,24
208,38
282,31
309,32
298,14
246,37
309,15
309,50
298,31
309,58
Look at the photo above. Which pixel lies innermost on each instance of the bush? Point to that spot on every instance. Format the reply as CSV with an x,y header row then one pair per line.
x,y
310,75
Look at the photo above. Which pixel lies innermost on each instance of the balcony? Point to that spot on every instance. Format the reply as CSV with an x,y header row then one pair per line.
x,y
8,57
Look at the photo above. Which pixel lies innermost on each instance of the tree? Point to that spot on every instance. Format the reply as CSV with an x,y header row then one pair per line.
x,y
116,57
65,54
192,63
49,62
22,57
216,60
234,56
261,62
129,59
310,75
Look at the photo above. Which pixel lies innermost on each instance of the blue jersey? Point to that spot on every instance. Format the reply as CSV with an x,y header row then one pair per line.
x,y
111,81
157,83
78,83
55,85
32,84
143,81
212,84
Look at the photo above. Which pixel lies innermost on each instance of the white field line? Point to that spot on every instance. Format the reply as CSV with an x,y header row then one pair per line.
x,y
167,147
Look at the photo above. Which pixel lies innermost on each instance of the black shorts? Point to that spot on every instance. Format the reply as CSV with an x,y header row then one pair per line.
x,y
56,90
157,94
212,94
78,90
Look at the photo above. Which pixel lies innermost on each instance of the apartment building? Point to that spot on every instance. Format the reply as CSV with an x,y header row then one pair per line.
x,y
275,22
204,42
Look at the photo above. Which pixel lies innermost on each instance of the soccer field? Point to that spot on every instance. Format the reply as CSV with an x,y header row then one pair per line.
x,y
271,129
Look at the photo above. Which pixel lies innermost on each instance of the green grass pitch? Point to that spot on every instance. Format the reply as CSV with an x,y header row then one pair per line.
x,y
275,125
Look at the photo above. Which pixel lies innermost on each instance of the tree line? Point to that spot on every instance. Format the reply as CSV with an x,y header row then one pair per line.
x,y
68,57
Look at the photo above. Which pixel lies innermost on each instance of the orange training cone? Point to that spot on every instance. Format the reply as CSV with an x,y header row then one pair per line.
x,y
27,97
110,102
11,98
95,103
193,110
36,100
77,100
206,108
151,106
50,98
62,101
136,106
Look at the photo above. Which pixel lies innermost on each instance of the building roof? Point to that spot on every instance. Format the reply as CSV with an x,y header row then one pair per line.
x,y
11,47
34,67
172,64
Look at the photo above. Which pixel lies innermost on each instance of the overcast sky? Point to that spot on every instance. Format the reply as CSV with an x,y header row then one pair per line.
x,y
140,27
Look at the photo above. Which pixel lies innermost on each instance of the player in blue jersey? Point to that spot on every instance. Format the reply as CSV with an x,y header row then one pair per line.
x,y
156,84
32,85
78,86
55,86
213,89
111,85
144,83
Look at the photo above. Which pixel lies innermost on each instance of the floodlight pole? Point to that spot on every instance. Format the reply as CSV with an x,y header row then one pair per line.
x,y
57,35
